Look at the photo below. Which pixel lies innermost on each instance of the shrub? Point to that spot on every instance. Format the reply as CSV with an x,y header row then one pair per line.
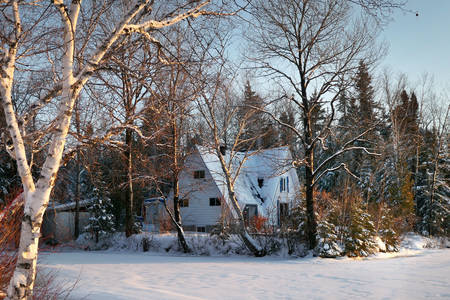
x,y
10,223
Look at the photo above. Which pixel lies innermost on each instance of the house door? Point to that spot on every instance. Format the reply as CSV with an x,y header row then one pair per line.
x,y
250,211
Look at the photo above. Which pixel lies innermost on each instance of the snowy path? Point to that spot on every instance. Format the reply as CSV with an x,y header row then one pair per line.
x,y
106,275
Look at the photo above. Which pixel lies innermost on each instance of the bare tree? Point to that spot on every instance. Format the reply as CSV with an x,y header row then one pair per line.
x,y
72,77
311,49
219,111
175,91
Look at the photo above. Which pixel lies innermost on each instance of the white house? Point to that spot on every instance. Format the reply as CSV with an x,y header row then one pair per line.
x,y
266,186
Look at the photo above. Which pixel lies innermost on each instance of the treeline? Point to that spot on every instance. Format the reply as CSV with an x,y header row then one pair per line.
x,y
110,106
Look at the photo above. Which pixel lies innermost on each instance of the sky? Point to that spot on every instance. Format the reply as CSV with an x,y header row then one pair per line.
x,y
419,44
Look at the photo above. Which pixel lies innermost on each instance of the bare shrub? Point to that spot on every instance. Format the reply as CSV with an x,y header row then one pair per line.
x,y
10,221
48,287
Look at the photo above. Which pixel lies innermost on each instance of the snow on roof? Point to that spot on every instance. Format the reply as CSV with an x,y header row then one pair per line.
x,y
149,201
268,165
69,205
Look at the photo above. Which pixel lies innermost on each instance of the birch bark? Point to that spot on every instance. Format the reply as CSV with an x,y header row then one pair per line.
x,y
36,194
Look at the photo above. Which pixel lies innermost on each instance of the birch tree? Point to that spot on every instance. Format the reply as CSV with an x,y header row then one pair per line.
x,y
73,75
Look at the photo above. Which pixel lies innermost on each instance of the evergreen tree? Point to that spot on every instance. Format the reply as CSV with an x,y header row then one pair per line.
x,y
386,230
254,124
327,240
365,95
367,118
434,189
360,237
101,221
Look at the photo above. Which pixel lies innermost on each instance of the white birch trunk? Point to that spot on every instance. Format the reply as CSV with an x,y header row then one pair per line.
x,y
36,201
37,196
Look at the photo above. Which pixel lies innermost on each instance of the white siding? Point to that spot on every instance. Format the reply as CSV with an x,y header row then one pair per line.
x,y
198,191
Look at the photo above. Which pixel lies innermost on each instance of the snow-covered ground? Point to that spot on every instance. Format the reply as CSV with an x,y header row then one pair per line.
x,y
413,273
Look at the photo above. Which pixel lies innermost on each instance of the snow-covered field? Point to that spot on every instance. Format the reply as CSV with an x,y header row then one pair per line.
x,y
410,274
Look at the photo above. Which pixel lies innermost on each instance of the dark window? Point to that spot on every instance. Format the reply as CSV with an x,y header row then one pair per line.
x,y
199,174
201,229
250,211
260,182
284,209
284,213
184,203
284,184
214,202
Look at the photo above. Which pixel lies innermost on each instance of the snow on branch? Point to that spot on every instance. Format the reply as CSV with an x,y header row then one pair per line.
x,y
192,13
342,165
345,148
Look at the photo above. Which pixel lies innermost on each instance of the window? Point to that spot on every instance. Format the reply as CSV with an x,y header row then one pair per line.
x,y
260,182
250,211
284,209
184,203
284,213
214,202
284,184
201,229
199,174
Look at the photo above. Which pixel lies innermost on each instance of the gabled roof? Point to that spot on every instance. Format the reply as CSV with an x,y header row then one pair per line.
x,y
268,164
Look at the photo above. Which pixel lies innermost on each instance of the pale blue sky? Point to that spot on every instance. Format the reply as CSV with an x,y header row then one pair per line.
x,y
420,44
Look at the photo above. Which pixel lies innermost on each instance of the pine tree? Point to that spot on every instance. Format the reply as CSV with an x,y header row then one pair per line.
x,y
327,240
286,136
434,187
360,238
256,124
101,221
365,95
386,230
366,119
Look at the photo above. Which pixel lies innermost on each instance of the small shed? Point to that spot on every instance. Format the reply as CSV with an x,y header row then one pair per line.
x,y
59,221
154,214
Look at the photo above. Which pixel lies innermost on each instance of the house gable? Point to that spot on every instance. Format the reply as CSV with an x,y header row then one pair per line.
x,y
258,184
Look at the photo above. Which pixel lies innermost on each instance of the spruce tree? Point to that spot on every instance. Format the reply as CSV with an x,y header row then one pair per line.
x,y
327,240
360,237
101,221
386,230
434,189
253,121
365,95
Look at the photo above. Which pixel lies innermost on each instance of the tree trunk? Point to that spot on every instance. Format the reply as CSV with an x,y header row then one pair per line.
x,y
176,190
129,219
77,180
177,220
77,201
21,285
249,242
311,223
